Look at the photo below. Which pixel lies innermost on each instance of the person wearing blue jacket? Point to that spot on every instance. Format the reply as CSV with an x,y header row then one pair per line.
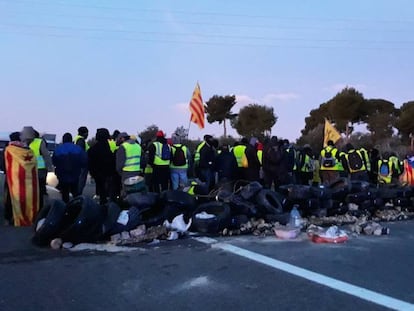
x,y
69,160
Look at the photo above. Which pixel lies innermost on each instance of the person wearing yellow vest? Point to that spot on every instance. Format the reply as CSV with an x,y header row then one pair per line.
x,y
239,151
128,157
80,140
197,154
204,158
354,163
306,165
116,179
112,141
180,156
385,170
365,154
160,163
329,163
259,148
44,162
397,164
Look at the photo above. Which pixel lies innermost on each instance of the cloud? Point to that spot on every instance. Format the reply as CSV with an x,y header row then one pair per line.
x,y
181,107
244,100
267,99
282,97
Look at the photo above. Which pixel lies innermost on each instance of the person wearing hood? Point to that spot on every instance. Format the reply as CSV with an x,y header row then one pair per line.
x,y
159,156
101,163
69,159
44,161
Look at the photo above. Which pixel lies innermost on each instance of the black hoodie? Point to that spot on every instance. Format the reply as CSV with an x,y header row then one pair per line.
x,y
101,160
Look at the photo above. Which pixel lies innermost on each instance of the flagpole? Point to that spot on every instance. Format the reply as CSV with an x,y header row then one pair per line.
x,y
188,131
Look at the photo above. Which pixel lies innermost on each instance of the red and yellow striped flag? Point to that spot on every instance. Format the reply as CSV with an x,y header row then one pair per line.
x,y
197,108
21,172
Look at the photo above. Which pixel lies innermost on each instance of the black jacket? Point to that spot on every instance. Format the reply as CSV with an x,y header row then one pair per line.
x,y
101,160
226,165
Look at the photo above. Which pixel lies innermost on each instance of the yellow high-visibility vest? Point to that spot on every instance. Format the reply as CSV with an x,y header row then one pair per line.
x,y
386,179
112,145
35,147
77,137
238,152
132,157
173,150
157,158
197,152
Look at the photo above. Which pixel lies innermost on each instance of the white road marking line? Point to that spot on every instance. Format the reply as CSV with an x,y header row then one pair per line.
x,y
347,288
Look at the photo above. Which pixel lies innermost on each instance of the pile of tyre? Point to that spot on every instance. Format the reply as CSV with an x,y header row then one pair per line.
x,y
84,220
231,209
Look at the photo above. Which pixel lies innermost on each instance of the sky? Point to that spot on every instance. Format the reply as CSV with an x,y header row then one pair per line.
x,y
129,64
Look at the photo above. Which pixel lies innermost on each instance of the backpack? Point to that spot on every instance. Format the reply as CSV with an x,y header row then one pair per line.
x,y
355,161
178,158
165,152
384,169
328,160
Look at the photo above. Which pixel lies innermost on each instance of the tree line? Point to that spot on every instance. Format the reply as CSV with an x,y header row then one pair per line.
x,y
388,127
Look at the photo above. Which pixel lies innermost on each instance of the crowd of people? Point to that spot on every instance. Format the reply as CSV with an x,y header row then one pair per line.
x,y
170,164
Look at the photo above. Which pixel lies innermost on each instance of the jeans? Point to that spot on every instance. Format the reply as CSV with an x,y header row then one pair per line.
x,y
207,176
178,177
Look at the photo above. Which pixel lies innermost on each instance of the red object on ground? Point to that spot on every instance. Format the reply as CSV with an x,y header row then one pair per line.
x,y
319,239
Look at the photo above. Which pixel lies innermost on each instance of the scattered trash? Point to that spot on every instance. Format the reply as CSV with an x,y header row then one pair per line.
x,y
154,242
204,215
369,227
178,224
125,235
67,245
139,231
286,233
330,235
40,223
173,235
152,233
56,243
123,218
295,220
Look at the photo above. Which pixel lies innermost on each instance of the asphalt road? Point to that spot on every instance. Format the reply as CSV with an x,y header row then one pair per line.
x,y
190,275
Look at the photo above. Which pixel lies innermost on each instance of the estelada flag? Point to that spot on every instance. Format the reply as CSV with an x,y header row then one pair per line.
x,y
21,173
197,108
330,133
